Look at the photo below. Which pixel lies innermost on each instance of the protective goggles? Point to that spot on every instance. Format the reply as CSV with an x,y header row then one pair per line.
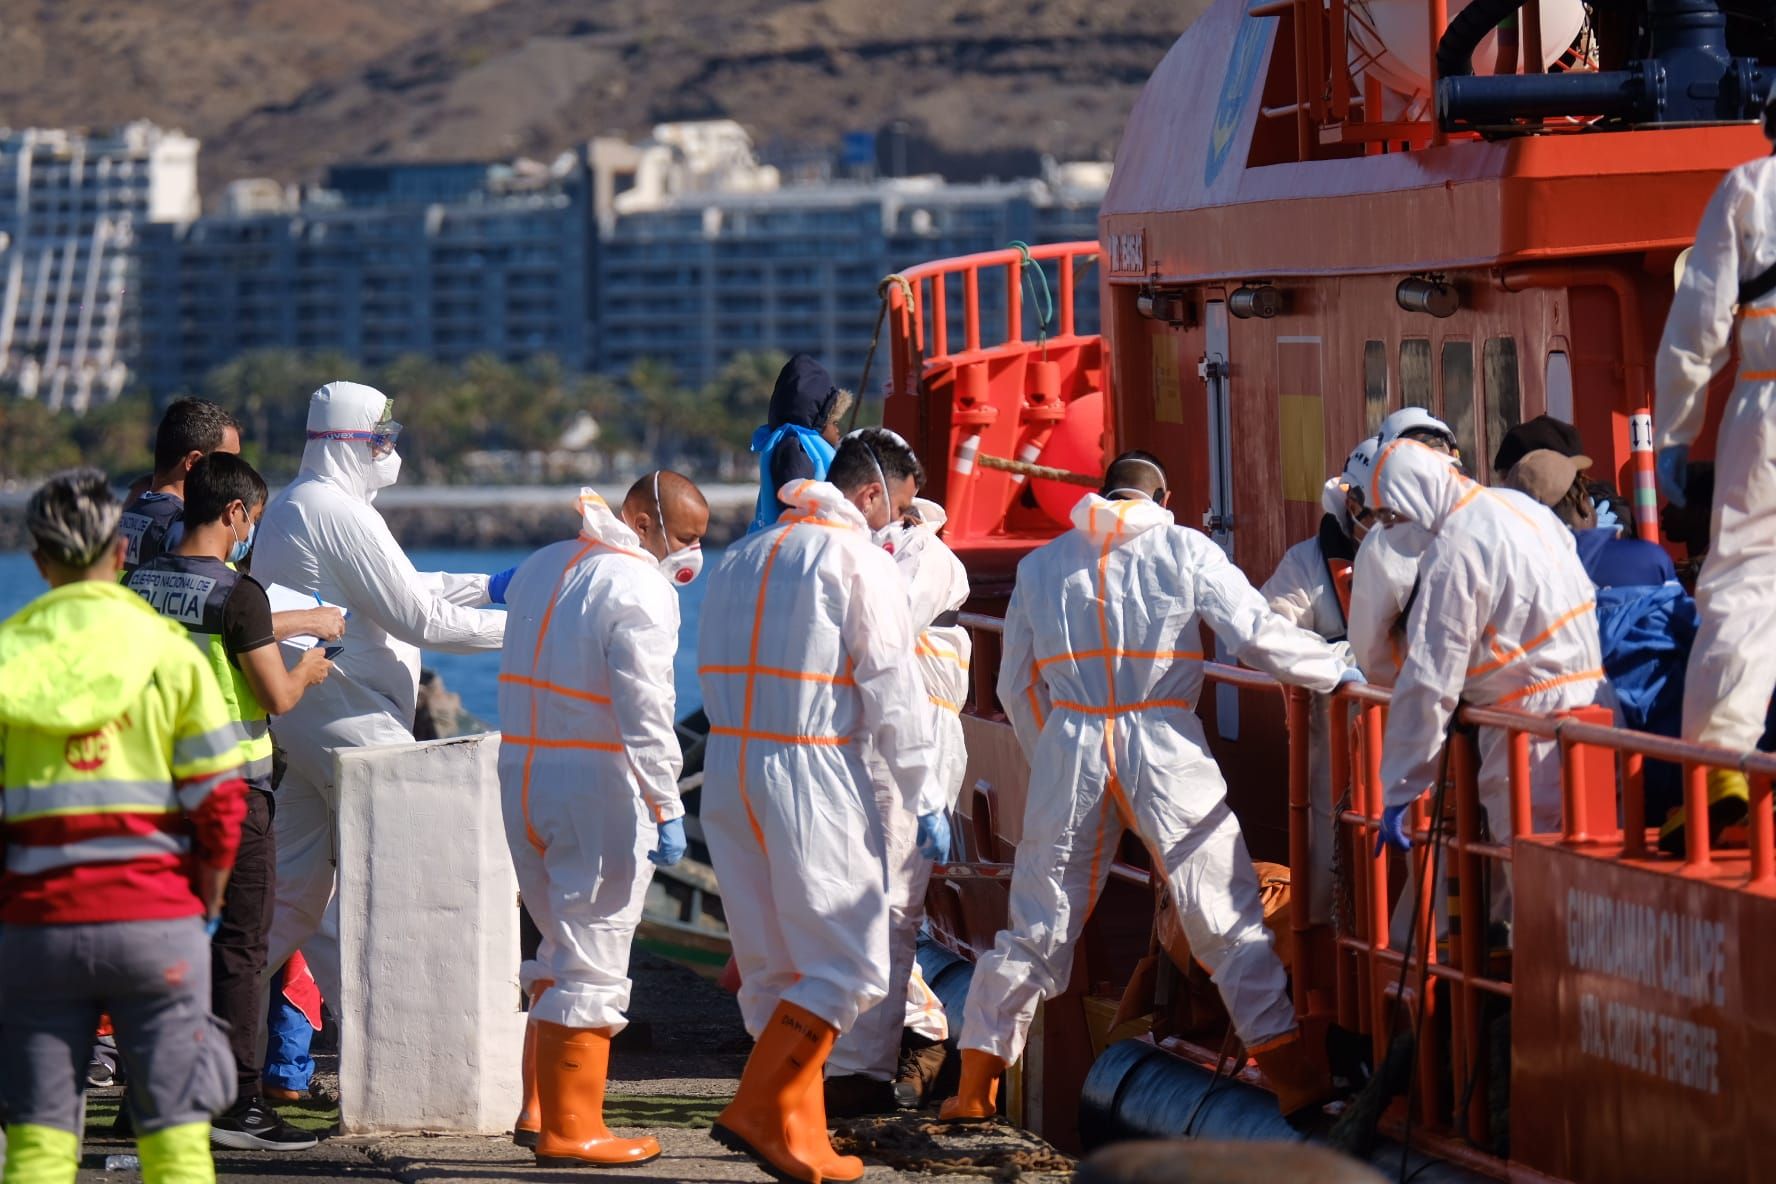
x,y
381,438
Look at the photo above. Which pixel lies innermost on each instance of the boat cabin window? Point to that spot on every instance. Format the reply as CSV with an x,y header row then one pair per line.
x,y
1559,386
1504,399
1458,401
1375,385
1415,372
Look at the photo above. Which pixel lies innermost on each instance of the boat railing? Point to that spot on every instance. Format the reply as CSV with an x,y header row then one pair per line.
x,y
929,303
1362,972
993,356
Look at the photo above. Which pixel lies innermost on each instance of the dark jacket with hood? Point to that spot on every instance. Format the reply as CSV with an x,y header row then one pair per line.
x,y
790,444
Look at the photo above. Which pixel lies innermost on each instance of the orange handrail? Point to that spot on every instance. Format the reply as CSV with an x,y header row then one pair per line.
x,y
1359,991
919,313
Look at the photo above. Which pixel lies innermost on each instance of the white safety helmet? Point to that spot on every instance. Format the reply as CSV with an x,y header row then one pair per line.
x,y
1359,466
1413,419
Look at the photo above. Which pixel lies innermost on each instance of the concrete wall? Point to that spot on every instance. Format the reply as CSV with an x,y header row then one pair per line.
x,y
431,1033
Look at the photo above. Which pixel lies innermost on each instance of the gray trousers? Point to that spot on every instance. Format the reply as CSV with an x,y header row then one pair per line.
x,y
153,978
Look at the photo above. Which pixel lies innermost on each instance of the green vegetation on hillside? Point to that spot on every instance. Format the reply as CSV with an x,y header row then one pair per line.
x,y
486,420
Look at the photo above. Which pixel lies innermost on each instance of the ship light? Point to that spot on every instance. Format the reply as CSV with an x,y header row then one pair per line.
x,y
1415,294
1256,300
1171,307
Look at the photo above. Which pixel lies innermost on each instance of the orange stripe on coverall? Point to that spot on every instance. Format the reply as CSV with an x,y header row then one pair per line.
x,y
536,657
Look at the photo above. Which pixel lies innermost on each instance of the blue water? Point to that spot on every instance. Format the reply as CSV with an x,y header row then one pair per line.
x,y
475,677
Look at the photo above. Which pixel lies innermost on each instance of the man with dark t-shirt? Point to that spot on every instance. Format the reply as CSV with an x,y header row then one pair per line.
x,y
190,430
229,616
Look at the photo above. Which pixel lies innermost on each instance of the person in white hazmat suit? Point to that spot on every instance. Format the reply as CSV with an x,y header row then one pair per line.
x,y
1723,300
589,764
894,1050
322,536
1504,616
1311,589
806,671
1386,568
1100,676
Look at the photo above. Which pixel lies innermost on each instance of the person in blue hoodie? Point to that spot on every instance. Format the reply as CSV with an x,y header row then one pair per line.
x,y
798,439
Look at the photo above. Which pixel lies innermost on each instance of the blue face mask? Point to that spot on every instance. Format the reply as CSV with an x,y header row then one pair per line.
x,y
242,547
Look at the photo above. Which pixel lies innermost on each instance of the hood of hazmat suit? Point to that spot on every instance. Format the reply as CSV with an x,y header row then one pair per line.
x,y
589,760
1504,614
1101,672
1383,579
322,536
806,667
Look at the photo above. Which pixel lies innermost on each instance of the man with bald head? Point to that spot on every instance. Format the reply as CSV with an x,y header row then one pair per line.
x,y
589,767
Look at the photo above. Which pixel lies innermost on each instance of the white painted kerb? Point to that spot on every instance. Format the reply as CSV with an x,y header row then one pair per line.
x,y
431,1034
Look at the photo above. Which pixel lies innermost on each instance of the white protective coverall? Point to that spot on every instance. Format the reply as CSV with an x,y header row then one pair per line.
x,y
1732,667
937,585
322,535
1100,676
1301,591
1505,615
805,671
589,759
1382,580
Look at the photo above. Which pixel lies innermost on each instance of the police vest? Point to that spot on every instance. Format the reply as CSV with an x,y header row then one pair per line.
x,y
193,590
146,523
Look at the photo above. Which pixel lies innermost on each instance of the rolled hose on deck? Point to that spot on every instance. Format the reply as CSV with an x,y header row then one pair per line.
x,y
1138,1091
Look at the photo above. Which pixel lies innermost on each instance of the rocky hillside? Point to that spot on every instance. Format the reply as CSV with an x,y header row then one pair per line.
x,y
281,89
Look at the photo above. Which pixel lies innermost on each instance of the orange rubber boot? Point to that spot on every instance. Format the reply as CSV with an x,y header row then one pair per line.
x,y
529,1121
778,1115
1300,1080
977,1094
571,1067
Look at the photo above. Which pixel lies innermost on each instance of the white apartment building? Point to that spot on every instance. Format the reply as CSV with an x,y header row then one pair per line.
x,y
703,252
70,206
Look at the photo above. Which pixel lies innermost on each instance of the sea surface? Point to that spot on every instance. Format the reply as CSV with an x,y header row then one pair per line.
x,y
474,677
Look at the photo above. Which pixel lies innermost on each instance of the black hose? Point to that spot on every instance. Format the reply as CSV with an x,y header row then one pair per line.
x,y
1455,49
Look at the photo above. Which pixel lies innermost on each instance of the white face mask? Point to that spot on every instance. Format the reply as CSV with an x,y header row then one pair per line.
x,y
894,537
385,470
683,565
1409,538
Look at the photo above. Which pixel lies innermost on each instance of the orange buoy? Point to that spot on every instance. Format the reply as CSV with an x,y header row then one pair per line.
x,y
1077,445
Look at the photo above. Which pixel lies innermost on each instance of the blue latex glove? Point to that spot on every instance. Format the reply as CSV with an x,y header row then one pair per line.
x,y
1351,676
671,848
934,836
212,925
496,585
1393,829
1672,466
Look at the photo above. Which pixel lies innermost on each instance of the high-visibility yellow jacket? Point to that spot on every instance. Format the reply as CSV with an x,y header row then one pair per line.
x,y
119,762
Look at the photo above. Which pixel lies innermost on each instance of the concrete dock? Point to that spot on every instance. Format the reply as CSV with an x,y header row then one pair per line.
x,y
671,1072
